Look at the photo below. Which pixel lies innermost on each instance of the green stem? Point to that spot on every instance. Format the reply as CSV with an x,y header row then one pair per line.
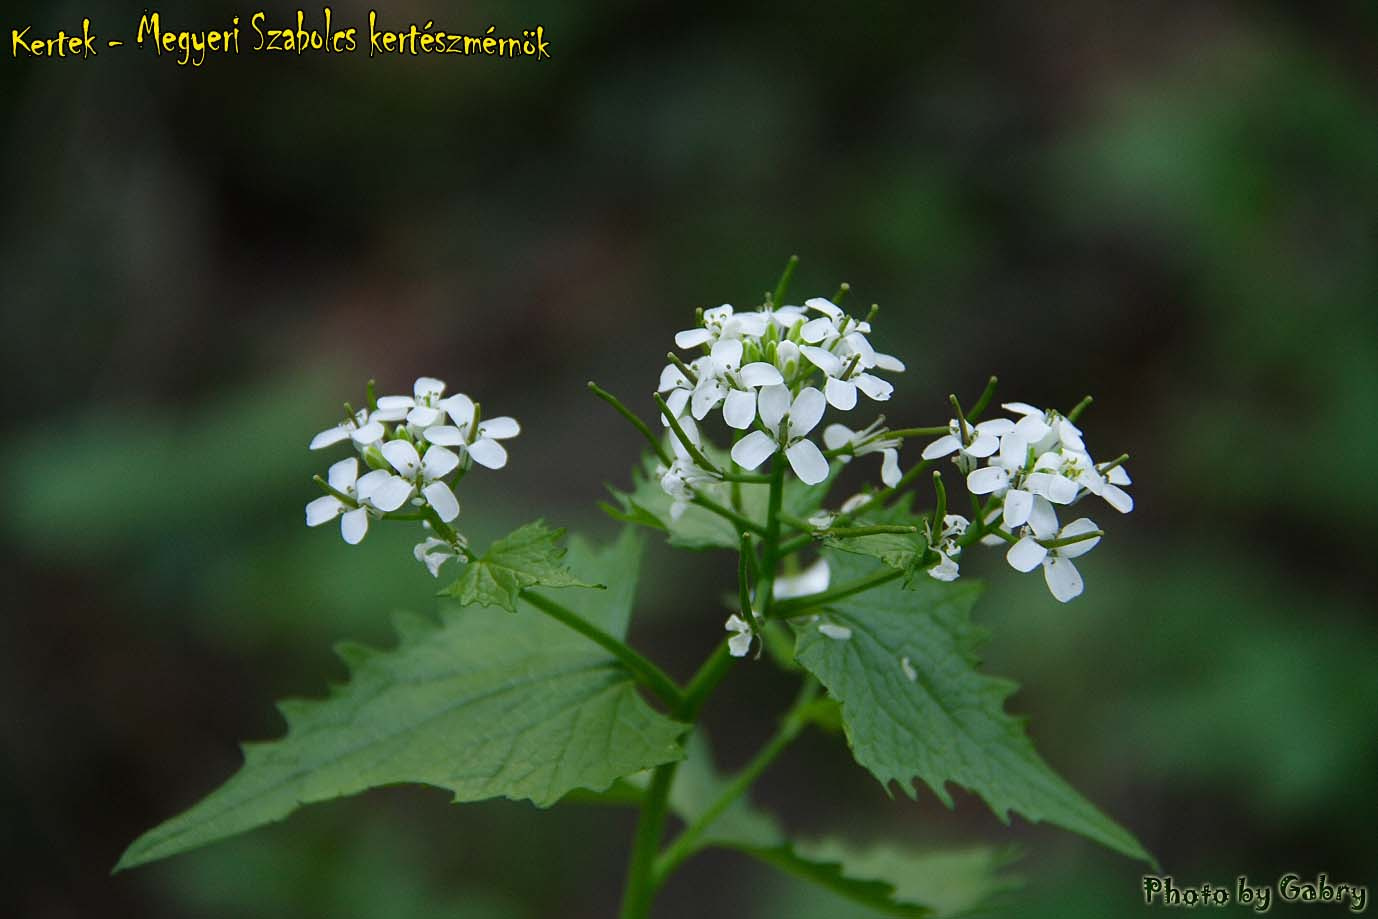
x,y
631,416
741,521
1077,409
778,298
870,530
643,670
744,590
329,489
765,585
689,447
791,724
986,395
797,605
636,897
937,430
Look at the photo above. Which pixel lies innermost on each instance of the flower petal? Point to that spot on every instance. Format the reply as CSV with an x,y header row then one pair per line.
x,y
707,394
1118,498
1025,555
983,445
816,330
369,482
890,468
823,359
948,443
440,497
889,362
330,436
403,457
837,435
675,402
500,428
739,410
986,480
445,434
460,408
488,453
1064,581
1043,518
759,373
841,394
428,388
354,525
1018,504
343,475
738,645
670,378
368,433
806,412
874,387
812,580
1077,528
807,461
323,510
728,352
752,450
825,306
424,415
439,463
773,404
391,494
692,338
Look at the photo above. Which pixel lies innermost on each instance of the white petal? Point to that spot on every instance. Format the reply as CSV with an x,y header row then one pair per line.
x,y
759,373
395,406
1031,428
500,428
1014,450
983,445
1076,528
1025,555
740,409
354,525
1018,504
445,434
391,494
812,580
1118,476
343,475
738,645
752,450
1022,408
825,306
439,463
890,468
728,352
841,394
807,462
987,479
403,457
997,426
1043,518
369,482
948,443
488,453
806,412
671,378
440,497
424,415
874,387
1062,490
736,623
368,433
330,436
774,402
692,338
753,324
1118,498
889,362
824,360
706,395
1070,435
836,435
460,408
427,387
323,510
1064,581
675,402
817,330
859,345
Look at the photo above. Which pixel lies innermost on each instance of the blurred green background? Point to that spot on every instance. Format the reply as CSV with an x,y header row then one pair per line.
x,y
1173,206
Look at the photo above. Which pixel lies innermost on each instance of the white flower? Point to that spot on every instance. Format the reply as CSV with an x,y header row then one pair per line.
x,y
421,409
433,553
425,475
722,378
683,474
1043,429
722,323
740,643
837,436
344,478
983,439
799,417
678,388
361,429
1064,581
812,580
480,443
945,544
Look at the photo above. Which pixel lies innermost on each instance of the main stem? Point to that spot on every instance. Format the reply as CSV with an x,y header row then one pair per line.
x,y
642,879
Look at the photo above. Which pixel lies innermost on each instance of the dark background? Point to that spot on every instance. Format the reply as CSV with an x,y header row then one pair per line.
x,y
1172,206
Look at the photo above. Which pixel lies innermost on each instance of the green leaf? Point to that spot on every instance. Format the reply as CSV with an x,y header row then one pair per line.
x,y
647,504
896,880
527,557
901,551
483,704
914,704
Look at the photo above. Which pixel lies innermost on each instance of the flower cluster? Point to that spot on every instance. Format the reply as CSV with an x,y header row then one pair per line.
x,y
416,448
773,372
1026,468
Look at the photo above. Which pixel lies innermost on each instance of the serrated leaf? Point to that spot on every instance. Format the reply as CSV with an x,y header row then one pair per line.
x,y
482,704
901,551
895,880
914,705
529,556
696,528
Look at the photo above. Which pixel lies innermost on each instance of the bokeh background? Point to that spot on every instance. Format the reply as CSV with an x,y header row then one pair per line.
x,y
1173,206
